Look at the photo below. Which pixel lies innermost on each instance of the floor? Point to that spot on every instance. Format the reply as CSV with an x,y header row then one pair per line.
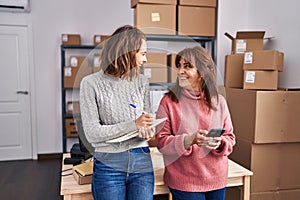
x,y
34,180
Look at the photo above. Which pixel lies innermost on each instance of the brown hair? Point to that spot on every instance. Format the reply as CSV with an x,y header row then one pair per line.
x,y
200,58
119,50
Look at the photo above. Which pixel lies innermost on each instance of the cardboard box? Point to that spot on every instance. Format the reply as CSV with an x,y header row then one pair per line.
x,y
81,180
71,130
133,3
73,107
265,116
70,39
172,71
234,74
78,61
274,166
260,80
196,21
156,67
263,60
74,75
246,41
204,3
155,19
278,195
98,39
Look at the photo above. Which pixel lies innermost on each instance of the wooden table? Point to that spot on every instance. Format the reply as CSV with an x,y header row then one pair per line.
x,y
237,176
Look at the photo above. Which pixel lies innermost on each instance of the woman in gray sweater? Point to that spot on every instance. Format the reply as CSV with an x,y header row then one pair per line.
x,y
121,170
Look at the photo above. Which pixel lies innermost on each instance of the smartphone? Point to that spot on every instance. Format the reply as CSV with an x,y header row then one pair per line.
x,y
215,132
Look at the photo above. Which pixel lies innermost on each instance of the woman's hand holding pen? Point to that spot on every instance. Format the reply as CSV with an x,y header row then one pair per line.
x,y
142,123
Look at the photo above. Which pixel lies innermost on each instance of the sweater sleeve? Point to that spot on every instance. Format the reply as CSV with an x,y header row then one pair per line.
x,y
167,142
94,130
228,137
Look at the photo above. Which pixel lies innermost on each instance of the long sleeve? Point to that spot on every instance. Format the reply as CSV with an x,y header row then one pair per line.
x,y
105,110
195,169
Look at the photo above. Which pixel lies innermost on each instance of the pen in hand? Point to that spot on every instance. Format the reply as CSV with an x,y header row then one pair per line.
x,y
135,107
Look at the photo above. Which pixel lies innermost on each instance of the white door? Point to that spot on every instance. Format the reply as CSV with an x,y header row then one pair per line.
x,y
15,116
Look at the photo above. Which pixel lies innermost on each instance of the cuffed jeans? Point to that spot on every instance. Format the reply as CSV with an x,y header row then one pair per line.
x,y
123,176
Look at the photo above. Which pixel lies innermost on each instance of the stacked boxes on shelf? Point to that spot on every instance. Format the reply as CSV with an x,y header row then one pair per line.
x,y
197,17
155,69
188,17
155,16
265,119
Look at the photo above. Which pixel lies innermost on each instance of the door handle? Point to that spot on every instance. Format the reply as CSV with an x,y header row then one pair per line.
x,y
23,92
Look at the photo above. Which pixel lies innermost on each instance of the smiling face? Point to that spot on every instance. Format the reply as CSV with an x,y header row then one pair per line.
x,y
140,56
188,76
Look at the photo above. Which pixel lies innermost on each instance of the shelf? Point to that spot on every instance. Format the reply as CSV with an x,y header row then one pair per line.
x,y
179,38
80,47
204,41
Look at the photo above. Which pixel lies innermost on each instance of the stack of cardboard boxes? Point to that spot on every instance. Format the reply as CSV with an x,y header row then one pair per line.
x,y
187,17
172,17
265,120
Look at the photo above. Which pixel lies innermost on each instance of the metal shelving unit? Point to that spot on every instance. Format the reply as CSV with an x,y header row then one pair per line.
x,y
206,42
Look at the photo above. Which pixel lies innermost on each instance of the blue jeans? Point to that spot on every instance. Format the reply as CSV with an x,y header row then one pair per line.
x,y
211,195
124,176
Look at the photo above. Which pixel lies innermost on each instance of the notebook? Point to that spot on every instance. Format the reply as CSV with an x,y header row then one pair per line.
x,y
136,132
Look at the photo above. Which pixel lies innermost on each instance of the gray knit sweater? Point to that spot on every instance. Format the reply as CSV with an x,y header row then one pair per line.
x,y
106,113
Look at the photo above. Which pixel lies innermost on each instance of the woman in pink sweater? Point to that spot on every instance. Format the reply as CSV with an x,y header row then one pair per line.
x,y
196,166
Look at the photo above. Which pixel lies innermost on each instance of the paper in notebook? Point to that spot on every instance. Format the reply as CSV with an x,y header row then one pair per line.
x,y
136,132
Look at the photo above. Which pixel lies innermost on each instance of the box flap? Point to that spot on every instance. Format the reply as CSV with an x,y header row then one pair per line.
x,y
229,36
250,34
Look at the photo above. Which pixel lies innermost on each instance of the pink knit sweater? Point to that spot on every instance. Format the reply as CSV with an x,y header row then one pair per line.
x,y
195,169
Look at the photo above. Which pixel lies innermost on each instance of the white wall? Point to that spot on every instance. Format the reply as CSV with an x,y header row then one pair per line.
x,y
278,18
281,20
51,18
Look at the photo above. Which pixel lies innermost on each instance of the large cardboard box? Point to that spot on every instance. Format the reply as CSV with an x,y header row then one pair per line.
x,y
277,195
133,3
196,21
155,19
234,74
260,80
274,166
156,67
70,39
204,3
246,41
265,116
263,60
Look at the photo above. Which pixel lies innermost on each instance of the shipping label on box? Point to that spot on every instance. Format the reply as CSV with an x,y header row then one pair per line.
x,y
246,41
71,39
260,80
264,60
